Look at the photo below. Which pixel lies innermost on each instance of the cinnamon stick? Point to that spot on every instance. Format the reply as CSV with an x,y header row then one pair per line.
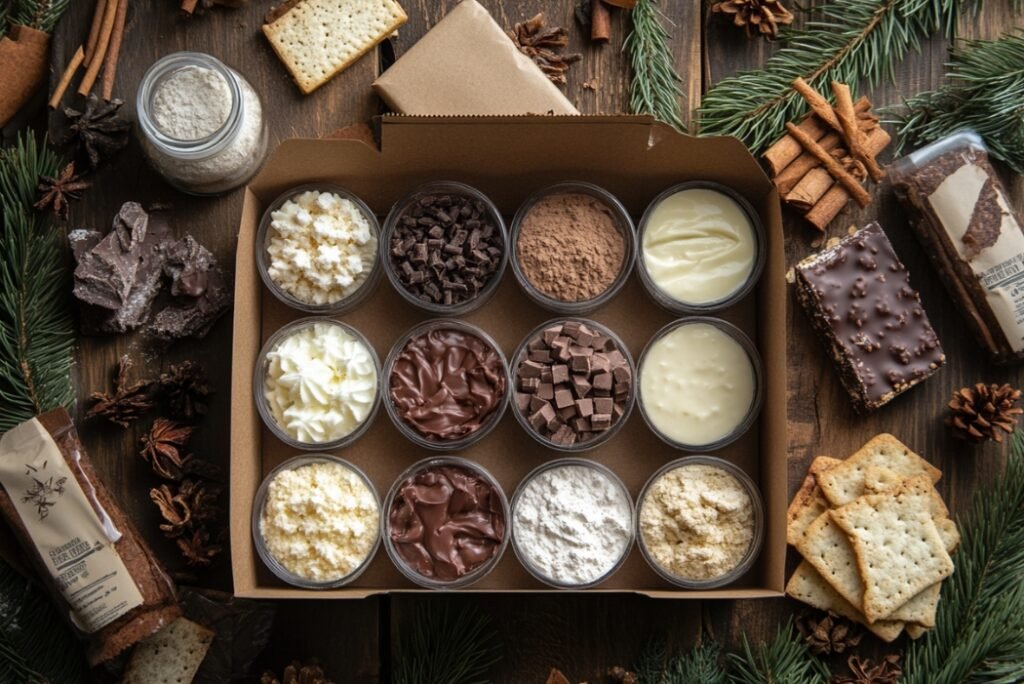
x,y
802,165
818,104
65,78
787,150
836,197
855,138
600,22
851,184
114,51
94,30
85,87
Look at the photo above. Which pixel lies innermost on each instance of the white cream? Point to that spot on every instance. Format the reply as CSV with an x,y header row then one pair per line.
x,y
320,384
698,246
696,384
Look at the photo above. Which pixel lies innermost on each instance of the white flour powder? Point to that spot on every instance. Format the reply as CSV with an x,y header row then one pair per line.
x,y
191,103
573,524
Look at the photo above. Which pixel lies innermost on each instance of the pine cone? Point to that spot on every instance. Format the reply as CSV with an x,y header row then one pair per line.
x,y
185,390
984,412
757,17
861,672
830,634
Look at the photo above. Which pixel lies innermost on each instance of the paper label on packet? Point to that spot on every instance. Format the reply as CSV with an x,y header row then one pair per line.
x,y
76,547
1000,267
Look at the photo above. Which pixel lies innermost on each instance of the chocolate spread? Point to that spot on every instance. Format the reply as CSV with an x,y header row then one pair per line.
x,y
446,521
447,383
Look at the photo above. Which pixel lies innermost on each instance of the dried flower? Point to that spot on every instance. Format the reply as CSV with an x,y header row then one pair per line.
x,y
128,401
886,672
184,388
830,634
197,549
984,412
57,192
177,516
98,131
162,448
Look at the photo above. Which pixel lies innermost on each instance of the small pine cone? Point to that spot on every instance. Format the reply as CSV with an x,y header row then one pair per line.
x,y
984,412
828,635
757,17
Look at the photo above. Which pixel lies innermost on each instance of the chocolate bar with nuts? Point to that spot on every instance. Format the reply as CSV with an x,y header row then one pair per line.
x,y
858,297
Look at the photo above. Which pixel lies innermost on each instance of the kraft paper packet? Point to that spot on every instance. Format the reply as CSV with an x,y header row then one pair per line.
x,y
467,65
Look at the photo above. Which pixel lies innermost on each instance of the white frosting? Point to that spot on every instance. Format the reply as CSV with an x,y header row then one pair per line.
x,y
698,246
320,383
697,384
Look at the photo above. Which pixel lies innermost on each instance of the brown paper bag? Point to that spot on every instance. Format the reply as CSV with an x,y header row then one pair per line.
x,y
25,54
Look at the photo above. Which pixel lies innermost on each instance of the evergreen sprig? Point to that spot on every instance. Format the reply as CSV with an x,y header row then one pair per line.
x,y
38,14
979,629
844,40
36,331
701,664
984,90
655,87
786,660
445,646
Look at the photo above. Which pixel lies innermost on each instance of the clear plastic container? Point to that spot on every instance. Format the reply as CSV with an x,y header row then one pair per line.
x,y
480,571
265,232
263,405
406,204
524,557
756,541
414,435
521,355
257,515
755,363
677,306
624,224
218,161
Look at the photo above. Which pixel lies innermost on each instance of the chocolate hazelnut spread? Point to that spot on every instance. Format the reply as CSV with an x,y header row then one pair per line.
x,y
446,384
446,521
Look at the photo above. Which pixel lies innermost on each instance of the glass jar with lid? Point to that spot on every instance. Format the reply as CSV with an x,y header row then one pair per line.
x,y
201,123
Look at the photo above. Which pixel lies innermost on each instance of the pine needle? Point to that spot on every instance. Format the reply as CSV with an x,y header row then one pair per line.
x,y
979,629
656,86
36,331
844,40
984,90
445,646
42,15
786,660
699,664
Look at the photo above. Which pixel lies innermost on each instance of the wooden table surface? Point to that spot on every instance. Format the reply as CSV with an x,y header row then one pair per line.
x,y
580,634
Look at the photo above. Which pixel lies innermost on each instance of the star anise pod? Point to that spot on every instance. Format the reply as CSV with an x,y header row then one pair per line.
x,y
197,549
984,412
757,17
57,192
162,448
297,673
173,509
542,45
201,500
887,671
98,130
184,389
830,634
127,402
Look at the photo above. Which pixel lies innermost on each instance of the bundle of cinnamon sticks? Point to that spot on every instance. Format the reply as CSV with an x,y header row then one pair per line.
x,y
823,161
100,52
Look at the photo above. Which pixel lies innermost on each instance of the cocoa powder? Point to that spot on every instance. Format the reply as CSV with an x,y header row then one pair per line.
x,y
570,247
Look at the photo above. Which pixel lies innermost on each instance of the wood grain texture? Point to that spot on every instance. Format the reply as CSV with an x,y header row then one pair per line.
x,y
581,634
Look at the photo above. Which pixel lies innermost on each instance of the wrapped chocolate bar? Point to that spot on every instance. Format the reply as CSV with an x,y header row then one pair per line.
x,y
972,234
102,575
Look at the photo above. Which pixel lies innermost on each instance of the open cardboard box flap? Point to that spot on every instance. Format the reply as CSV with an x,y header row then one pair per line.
x,y
508,158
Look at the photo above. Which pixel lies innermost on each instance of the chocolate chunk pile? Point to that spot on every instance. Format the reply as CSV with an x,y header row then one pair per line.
x,y
446,248
573,384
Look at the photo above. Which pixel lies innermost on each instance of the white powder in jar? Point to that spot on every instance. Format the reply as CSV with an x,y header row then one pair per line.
x,y
572,523
320,521
191,103
697,522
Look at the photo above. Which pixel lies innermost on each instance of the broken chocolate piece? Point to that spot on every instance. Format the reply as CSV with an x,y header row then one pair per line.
x,y
201,289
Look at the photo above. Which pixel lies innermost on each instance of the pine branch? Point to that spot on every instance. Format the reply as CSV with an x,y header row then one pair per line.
x,y
786,660
39,14
979,630
984,90
844,40
36,332
446,647
5,12
699,664
655,87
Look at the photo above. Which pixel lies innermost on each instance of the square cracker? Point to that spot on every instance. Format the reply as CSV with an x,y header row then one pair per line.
x,y
920,609
808,586
317,39
828,549
845,482
171,656
808,502
915,631
898,548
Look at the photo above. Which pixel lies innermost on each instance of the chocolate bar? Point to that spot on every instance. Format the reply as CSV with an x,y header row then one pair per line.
x,y
972,235
858,297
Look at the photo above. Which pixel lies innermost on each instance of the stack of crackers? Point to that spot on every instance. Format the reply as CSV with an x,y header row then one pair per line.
x,y
875,537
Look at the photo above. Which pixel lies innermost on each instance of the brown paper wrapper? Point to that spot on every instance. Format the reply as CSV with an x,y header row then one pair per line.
x,y
24,54
467,65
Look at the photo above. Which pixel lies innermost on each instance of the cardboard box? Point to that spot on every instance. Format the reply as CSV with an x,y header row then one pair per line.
x,y
508,158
